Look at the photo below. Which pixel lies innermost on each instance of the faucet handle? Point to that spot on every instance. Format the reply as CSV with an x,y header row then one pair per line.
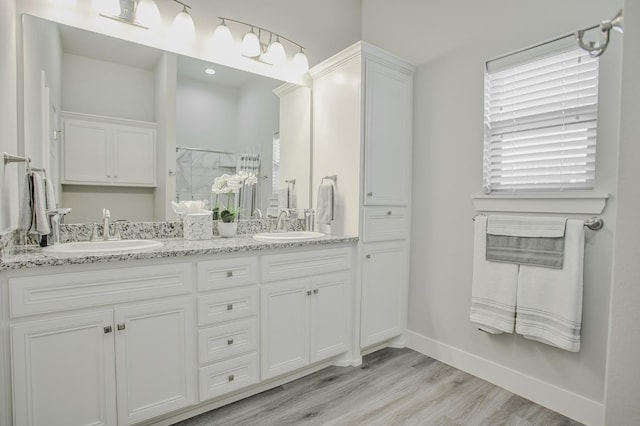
x,y
106,213
94,233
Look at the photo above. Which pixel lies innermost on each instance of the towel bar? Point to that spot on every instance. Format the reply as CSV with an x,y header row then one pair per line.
x,y
595,223
334,178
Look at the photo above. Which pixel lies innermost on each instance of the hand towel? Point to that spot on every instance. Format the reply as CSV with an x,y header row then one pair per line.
x,y
325,204
550,301
537,241
26,203
50,194
283,198
40,224
493,288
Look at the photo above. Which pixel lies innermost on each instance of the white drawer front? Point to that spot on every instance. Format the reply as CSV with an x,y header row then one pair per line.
x,y
225,341
227,305
278,267
58,292
385,223
214,274
228,376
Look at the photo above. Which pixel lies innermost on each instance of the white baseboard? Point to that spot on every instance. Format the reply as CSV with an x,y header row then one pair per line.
x,y
567,403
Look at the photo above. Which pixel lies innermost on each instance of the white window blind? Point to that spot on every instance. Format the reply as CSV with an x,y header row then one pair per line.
x,y
540,121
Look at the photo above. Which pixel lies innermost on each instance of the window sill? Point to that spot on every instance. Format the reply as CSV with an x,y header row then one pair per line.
x,y
542,203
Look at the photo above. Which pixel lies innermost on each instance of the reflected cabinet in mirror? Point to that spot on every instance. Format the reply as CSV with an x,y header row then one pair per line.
x,y
131,128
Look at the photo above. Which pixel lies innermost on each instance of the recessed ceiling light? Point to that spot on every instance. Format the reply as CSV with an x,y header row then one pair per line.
x,y
210,71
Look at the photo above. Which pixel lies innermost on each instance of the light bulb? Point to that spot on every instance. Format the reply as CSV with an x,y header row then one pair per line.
x,y
300,63
107,7
183,27
210,71
251,44
222,35
148,14
275,54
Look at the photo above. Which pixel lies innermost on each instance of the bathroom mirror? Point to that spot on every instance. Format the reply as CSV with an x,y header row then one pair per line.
x,y
205,124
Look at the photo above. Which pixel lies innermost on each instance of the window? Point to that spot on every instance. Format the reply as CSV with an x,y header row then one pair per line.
x,y
541,120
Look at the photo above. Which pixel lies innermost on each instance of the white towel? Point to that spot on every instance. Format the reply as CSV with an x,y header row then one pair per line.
x,y
50,194
493,289
526,226
40,223
325,204
283,198
26,211
550,300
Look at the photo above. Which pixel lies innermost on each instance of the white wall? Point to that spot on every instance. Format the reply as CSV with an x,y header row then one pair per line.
x,y
166,82
92,86
87,202
206,115
623,374
8,117
447,171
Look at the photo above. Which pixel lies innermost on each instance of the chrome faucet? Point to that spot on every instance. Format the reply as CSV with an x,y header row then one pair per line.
x,y
283,218
56,218
106,215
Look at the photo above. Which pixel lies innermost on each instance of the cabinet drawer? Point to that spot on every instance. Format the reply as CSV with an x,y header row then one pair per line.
x,y
228,305
214,274
385,223
228,376
277,267
59,292
225,341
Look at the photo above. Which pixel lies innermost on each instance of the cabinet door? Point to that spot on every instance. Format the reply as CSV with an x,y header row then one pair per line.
x,y
87,154
284,327
384,292
134,154
329,320
388,104
63,371
155,359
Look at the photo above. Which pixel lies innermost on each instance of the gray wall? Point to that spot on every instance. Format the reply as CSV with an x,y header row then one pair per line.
x,y
447,172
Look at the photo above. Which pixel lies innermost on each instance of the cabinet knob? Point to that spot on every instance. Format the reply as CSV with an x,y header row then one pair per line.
x,y
229,341
229,274
308,292
315,291
231,377
230,307
369,194
389,213
368,256
121,327
108,329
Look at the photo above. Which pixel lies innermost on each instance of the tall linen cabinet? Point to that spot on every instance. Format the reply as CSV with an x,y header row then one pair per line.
x,y
362,134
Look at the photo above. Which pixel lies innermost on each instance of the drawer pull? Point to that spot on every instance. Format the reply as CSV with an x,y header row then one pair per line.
x,y
308,292
229,341
108,329
230,307
231,377
315,291
121,327
368,256
229,274
369,194
389,213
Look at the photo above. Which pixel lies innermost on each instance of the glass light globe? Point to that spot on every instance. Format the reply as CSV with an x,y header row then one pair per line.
x,y
275,54
251,45
148,14
183,27
300,63
222,35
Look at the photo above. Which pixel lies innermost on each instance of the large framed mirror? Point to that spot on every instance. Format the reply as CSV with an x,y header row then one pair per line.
x,y
87,99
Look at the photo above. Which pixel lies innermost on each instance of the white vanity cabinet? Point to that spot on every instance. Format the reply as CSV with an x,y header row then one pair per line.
x,y
118,364
304,313
108,151
363,134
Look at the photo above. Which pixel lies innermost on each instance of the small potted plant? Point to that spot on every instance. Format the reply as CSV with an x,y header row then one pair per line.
x,y
227,185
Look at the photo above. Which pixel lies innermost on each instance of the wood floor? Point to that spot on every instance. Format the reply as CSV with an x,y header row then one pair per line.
x,y
391,387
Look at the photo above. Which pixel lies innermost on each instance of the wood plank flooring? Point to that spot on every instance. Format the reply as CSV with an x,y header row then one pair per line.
x,y
391,387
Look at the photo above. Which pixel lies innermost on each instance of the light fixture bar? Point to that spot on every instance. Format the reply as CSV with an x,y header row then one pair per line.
x,y
259,28
127,14
183,4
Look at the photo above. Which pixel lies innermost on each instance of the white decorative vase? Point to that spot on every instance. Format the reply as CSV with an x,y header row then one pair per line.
x,y
227,229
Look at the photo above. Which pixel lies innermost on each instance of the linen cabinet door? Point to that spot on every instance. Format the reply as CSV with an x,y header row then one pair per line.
x,y
384,292
329,313
63,371
155,359
284,323
86,152
134,156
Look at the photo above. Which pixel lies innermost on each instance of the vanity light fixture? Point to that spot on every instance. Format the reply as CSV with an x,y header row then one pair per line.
x,y
272,51
141,13
183,27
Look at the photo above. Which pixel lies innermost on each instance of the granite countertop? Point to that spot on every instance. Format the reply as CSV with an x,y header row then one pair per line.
x,y
23,257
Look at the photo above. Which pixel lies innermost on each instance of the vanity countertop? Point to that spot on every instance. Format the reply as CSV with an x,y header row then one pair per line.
x,y
23,257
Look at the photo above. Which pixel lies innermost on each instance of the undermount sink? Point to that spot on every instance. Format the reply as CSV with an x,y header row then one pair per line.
x,y
287,236
89,247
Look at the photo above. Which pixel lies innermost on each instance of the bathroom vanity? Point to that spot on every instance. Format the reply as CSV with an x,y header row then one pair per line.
x,y
174,331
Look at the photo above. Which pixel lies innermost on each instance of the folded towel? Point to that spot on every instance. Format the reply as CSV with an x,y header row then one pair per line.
x,y
40,223
26,203
325,204
534,241
493,289
50,194
550,301
283,198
